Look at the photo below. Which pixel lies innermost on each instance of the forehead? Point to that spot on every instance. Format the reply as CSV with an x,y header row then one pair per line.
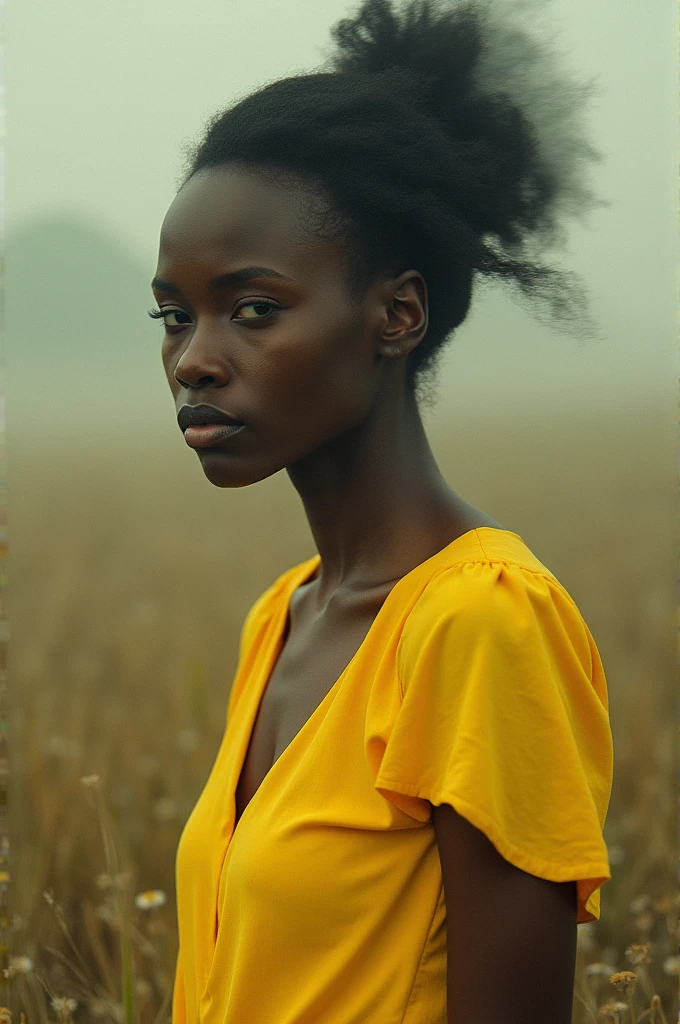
x,y
230,213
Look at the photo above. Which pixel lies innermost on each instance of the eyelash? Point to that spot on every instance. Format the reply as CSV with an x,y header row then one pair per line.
x,y
160,314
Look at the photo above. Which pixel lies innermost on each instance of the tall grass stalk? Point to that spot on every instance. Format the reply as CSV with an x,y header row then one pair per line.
x,y
128,972
121,900
85,977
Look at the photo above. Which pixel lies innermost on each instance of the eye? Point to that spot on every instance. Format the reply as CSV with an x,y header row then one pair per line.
x,y
258,302
160,314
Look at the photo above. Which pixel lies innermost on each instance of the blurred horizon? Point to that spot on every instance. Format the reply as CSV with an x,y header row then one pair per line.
x,y
82,226
85,346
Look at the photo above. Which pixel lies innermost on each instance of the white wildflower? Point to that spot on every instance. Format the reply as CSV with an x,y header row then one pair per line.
x,y
21,964
63,1006
671,965
151,898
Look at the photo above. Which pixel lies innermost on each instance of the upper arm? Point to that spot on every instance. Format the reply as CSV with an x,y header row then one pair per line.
x,y
511,936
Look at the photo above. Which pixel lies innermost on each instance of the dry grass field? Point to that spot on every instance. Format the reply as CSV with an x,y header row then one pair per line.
x,y
129,577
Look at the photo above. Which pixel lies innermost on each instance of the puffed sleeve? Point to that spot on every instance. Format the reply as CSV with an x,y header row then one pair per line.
x,y
503,713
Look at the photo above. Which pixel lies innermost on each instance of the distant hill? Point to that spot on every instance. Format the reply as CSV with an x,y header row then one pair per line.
x,y
83,359
78,341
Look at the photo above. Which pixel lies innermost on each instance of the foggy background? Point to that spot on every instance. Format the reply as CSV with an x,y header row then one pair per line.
x,y
101,97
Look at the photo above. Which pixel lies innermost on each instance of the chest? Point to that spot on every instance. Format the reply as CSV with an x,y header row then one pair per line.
x,y
314,655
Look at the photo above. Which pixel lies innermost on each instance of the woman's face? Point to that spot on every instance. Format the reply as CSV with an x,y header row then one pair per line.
x,y
287,356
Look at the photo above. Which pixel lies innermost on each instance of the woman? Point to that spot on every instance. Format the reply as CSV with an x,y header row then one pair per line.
x,y
404,819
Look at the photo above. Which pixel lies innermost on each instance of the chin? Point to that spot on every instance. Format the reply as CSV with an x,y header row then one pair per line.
x,y
218,471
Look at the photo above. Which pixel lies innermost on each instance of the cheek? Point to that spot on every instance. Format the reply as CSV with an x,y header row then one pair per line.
x,y
328,382
350,370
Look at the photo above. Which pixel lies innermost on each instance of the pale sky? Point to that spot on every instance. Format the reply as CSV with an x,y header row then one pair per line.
x,y
100,98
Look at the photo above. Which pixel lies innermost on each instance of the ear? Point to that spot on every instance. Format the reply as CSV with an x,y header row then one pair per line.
x,y
407,313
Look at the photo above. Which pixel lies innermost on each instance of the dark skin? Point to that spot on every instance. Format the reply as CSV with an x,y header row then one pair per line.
x,y
316,384
320,386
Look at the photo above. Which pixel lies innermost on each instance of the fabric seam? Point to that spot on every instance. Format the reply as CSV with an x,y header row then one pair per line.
x,y
490,559
420,958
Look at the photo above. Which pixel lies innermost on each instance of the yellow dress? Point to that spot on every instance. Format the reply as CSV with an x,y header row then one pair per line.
x,y
478,685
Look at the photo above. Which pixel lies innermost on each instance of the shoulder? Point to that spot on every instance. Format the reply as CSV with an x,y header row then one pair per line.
x,y
491,579
499,597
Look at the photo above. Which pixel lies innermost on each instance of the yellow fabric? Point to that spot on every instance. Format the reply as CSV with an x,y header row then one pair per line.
x,y
478,685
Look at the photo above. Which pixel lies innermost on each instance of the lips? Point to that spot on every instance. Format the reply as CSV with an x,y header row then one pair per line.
x,y
205,415
211,435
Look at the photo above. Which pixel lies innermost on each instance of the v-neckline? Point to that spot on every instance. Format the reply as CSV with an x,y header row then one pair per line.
x,y
279,627
278,624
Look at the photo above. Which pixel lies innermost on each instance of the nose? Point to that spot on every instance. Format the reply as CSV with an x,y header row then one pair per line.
x,y
201,364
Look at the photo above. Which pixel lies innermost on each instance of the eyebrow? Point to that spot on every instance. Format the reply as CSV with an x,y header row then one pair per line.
x,y
234,277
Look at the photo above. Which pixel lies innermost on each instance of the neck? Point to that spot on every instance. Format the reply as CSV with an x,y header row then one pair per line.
x,y
376,501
